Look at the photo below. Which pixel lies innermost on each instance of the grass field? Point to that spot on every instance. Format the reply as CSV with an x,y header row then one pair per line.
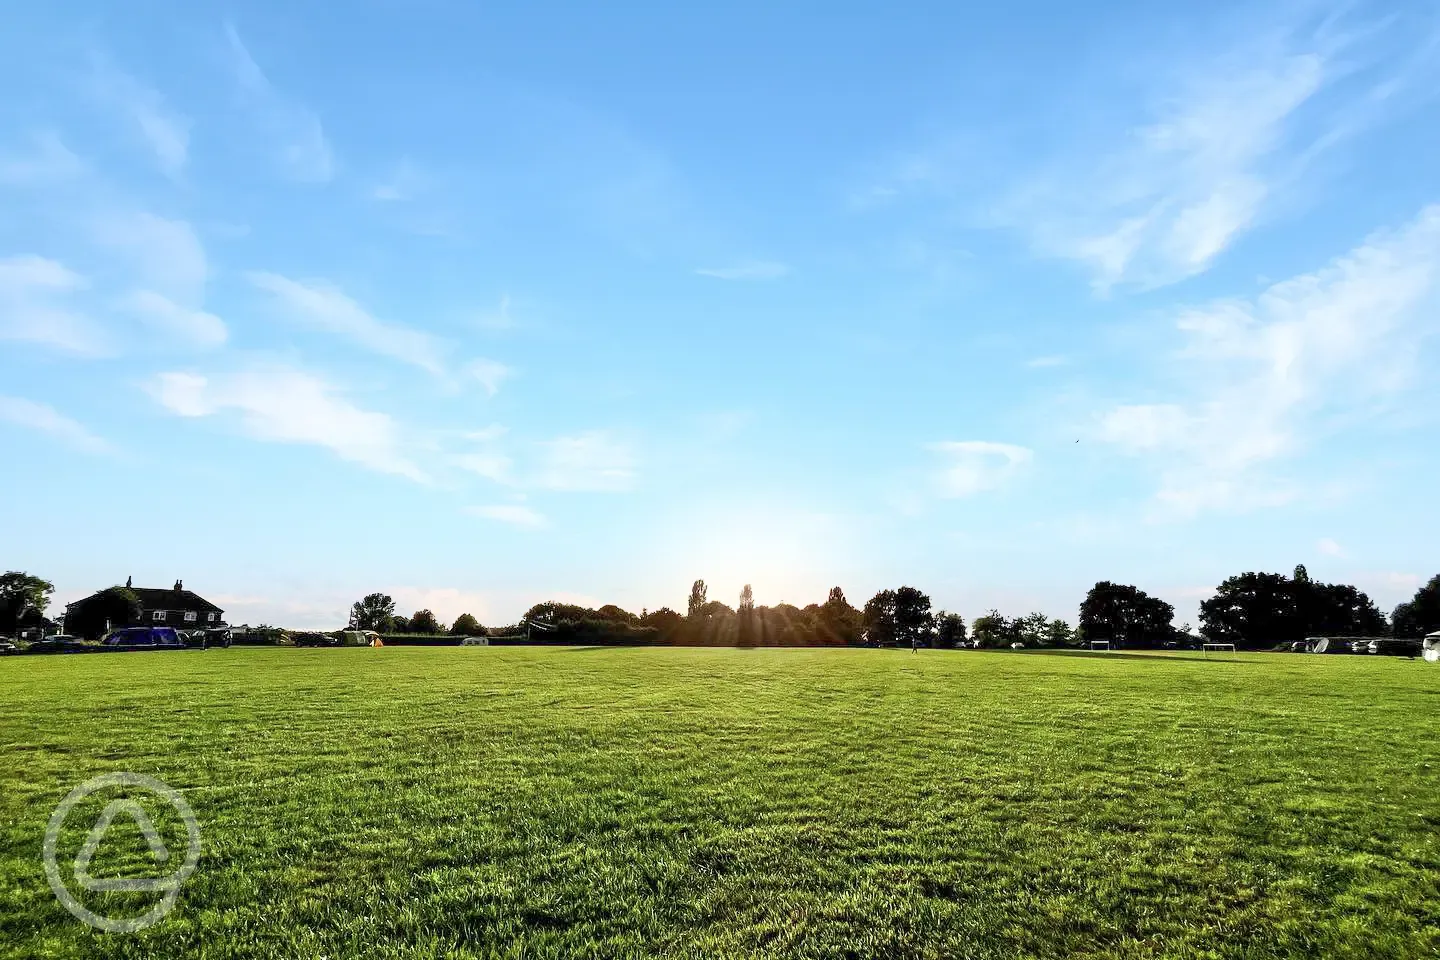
x,y
522,802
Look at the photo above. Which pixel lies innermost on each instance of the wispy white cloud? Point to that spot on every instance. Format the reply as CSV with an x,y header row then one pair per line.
x,y
1329,547
499,318
162,254
1173,194
1205,149
175,322
164,131
747,270
327,308
36,307
587,461
1269,375
493,432
489,464
45,419
973,466
44,160
488,373
283,404
404,183
515,514
1049,361
301,148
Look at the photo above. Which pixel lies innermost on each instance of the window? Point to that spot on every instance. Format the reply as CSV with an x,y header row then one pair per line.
x,y
158,615
210,617
190,616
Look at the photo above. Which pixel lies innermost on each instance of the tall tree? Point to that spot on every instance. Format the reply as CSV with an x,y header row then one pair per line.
x,y
839,622
424,622
19,593
1264,610
1125,615
949,630
879,619
375,612
991,630
466,626
1422,613
745,617
1059,634
1404,623
1032,630
913,620
697,599
110,609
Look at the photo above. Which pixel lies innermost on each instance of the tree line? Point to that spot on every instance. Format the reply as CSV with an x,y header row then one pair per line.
x,y
1254,611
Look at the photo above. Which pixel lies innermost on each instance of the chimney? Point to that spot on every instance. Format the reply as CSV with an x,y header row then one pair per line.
x,y
179,585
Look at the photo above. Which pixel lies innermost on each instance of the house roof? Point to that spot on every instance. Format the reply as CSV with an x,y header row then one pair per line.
x,y
153,598
158,599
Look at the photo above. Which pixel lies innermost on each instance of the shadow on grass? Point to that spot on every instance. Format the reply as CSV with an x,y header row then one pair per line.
x,y
1196,657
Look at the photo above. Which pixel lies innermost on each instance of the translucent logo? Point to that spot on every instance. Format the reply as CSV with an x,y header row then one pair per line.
x,y
168,887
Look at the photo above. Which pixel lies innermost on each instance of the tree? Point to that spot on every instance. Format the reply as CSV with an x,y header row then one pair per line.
x,y
697,599
1251,610
1125,615
913,620
745,614
991,630
1032,630
399,625
19,593
110,609
1338,609
375,612
1263,610
879,619
1422,614
839,622
424,622
616,614
1404,623
665,622
949,630
1059,634
466,626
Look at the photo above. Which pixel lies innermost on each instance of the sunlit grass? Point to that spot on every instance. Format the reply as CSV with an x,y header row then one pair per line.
x,y
722,803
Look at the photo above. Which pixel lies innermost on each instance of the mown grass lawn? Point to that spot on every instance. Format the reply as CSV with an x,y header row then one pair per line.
x,y
573,803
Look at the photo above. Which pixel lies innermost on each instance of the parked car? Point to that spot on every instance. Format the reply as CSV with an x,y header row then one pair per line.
x,y
315,640
148,637
1395,647
61,643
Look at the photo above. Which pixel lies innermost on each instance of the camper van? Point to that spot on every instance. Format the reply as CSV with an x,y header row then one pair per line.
x,y
1430,647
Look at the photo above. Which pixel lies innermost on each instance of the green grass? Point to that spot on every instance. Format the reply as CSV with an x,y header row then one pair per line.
x,y
522,802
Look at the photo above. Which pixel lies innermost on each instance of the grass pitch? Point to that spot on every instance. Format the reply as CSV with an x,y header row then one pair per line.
x,y
523,802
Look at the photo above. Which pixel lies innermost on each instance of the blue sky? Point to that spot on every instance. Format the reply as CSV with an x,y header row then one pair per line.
x,y
483,305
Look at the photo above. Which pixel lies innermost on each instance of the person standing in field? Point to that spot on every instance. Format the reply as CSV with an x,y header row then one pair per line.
x,y
914,643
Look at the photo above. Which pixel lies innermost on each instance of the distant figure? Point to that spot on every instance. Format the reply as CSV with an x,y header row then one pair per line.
x,y
914,644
